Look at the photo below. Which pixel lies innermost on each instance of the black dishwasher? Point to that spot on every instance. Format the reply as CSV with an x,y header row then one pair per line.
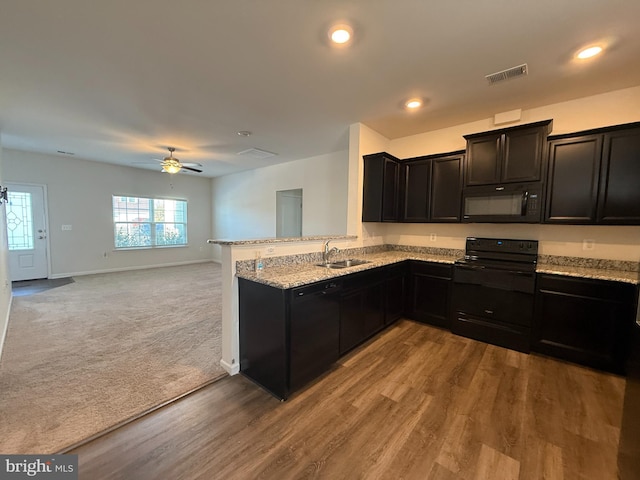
x,y
314,331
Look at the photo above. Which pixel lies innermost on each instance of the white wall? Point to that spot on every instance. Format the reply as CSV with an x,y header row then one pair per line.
x,y
612,108
5,284
79,194
244,204
616,243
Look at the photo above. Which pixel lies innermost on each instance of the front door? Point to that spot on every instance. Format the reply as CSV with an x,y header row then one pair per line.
x,y
26,232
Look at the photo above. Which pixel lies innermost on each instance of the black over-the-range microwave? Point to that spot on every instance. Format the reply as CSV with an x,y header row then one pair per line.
x,y
516,203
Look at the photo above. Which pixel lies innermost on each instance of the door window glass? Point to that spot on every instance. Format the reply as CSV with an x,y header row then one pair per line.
x,y
20,221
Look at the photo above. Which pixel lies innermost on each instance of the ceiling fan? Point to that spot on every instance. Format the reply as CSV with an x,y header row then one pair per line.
x,y
171,164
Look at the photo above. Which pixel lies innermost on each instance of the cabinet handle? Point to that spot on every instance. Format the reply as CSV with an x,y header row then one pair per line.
x,y
490,312
499,188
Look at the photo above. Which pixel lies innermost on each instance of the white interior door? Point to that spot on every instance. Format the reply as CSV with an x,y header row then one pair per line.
x,y
26,232
289,213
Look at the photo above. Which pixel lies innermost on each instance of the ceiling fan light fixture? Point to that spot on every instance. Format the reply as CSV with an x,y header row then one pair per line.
x,y
171,168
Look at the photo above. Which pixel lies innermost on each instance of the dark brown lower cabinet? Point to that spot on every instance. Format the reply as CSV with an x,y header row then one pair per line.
x,y
362,307
288,337
429,292
584,321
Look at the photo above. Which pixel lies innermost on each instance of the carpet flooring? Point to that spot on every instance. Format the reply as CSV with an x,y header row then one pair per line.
x,y
84,357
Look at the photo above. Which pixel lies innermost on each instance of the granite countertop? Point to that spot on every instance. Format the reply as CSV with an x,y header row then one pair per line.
x,y
296,275
306,273
595,273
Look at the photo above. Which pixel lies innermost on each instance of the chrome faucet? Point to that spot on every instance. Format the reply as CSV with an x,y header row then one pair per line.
x,y
326,254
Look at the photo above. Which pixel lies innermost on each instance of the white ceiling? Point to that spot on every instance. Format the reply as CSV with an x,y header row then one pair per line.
x,y
120,80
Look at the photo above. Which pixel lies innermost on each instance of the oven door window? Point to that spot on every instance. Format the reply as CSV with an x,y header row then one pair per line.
x,y
507,204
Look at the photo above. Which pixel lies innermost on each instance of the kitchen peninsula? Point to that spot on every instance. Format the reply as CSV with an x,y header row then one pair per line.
x,y
279,334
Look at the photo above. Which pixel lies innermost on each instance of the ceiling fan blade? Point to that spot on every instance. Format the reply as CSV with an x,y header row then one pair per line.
x,y
146,163
191,164
191,169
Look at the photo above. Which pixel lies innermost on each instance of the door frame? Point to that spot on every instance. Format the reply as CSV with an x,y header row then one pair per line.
x,y
45,201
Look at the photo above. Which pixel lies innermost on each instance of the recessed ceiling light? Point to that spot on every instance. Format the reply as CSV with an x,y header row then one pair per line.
x,y
340,34
244,133
589,52
413,103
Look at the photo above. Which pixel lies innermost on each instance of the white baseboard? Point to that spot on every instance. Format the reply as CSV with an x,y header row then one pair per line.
x,y
3,334
126,269
231,368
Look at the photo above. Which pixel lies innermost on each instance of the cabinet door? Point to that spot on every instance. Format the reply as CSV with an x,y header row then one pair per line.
x,y
446,189
619,198
584,321
395,285
351,330
429,293
523,151
390,195
373,309
380,190
572,186
484,160
417,180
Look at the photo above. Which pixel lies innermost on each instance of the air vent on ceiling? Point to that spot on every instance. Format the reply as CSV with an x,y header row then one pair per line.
x,y
507,74
257,153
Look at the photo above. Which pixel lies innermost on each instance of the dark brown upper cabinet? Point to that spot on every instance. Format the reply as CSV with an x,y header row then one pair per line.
x,y
431,188
619,198
508,155
416,176
572,186
594,177
381,197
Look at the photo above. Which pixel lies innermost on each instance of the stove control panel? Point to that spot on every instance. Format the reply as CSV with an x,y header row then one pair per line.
x,y
491,245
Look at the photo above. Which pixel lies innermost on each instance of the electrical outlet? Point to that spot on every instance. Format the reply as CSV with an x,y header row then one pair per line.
x,y
588,244
433,237
67,227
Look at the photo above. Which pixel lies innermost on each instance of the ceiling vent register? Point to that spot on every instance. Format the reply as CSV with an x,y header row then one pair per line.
x,y
257,153
508,74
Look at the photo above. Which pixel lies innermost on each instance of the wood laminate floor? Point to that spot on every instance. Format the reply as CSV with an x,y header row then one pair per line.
x,y
415,403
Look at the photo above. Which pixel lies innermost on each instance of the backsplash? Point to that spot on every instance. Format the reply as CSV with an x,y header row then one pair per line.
x,y
243,266
428,250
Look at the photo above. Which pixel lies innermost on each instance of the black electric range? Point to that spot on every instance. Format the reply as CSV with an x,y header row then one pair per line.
x,y
493,291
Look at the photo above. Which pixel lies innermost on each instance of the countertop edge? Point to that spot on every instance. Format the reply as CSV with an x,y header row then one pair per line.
x,y
591,273
264,241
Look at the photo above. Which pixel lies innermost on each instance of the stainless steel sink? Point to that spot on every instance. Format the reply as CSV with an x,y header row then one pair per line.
x,y
352,262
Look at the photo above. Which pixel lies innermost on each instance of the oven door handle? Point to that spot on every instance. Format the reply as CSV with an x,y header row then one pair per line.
x,y
471,267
